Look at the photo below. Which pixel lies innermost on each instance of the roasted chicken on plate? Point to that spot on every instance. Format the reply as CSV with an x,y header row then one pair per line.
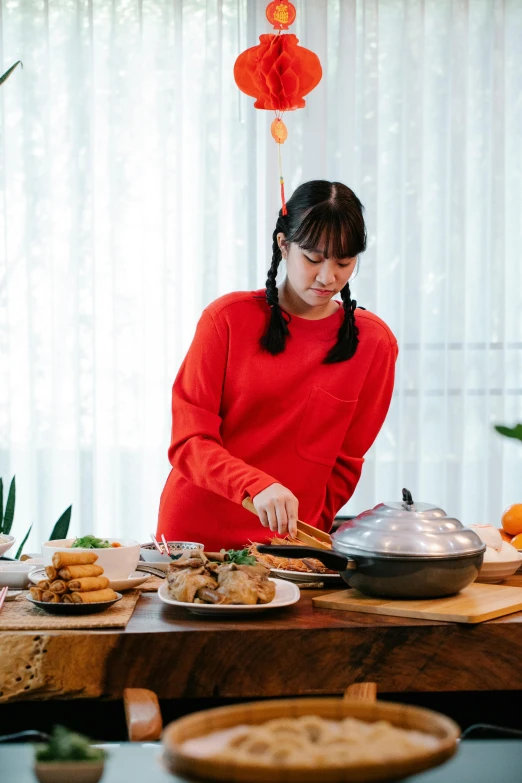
x,y
197,579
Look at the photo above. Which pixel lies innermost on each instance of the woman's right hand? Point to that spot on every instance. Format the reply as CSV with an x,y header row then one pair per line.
x,y
277,508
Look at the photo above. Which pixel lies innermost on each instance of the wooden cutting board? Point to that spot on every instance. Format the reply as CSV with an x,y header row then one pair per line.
x,y
474,604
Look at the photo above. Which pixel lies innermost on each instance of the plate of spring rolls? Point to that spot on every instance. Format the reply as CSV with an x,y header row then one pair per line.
x,y
74,584
118,585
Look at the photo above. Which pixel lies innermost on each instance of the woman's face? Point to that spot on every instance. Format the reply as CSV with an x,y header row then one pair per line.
x,y
314,278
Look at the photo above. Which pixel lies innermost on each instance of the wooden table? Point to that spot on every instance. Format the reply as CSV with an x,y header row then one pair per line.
x,y
295,651
476,761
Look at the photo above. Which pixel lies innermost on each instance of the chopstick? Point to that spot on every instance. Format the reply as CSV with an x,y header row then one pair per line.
x,y
154,541
3,593
167,550
305,533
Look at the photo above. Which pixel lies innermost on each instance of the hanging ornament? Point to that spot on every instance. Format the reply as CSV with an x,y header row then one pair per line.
x,y
278,73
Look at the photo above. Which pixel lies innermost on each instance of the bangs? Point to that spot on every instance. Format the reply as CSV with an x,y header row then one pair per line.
x,y
336,235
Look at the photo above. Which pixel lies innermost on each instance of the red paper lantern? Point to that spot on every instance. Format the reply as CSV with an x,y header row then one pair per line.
x,y
278,72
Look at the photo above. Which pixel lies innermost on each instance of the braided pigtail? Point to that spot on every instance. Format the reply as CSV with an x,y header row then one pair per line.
x,y
348,334
274,339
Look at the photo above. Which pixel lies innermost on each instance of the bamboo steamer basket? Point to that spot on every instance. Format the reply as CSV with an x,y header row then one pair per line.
x,y
359,702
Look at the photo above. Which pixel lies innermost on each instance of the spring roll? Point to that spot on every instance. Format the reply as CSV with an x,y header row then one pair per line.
x,y
79,571
88,583
94,597
51,573
59,586
61,559
67,599
36,593
43,584
50,598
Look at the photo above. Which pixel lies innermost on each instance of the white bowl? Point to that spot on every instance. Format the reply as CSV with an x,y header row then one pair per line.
x,y
151,555
14,574
6,542
117,562
495,572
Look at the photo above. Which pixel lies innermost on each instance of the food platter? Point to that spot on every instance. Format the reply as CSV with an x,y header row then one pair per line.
x,y
286,595
118,585
305,576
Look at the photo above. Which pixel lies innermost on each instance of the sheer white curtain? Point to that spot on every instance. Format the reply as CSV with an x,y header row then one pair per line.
x,y
138,184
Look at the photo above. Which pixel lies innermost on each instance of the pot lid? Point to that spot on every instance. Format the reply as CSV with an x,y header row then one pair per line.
x,y
406,529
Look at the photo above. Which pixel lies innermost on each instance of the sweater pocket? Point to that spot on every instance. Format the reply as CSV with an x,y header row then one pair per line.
x,y
323,426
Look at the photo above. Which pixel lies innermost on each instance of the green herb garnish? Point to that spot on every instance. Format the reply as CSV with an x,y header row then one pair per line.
x,y
91,542
66,745
240,557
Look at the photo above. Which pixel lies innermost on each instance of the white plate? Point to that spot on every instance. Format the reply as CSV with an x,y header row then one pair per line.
x,y
304,576
118,585
286,595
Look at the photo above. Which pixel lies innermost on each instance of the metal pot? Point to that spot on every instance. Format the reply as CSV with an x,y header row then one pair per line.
x,y
400,550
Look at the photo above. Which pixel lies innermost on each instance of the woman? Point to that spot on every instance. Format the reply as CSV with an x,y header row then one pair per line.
x,y
282,390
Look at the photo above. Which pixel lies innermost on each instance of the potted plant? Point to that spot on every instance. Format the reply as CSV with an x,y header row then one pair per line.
x,y
68,757
8,73
510,432
60,529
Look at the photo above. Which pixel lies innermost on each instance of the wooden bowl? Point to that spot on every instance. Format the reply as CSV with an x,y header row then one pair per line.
x,y
399,715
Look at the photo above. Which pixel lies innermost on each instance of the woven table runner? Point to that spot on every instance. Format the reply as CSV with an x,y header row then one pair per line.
x,y
152,584
22,615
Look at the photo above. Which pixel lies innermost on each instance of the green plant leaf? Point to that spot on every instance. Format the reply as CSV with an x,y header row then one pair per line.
x,y
20,548
61,528
510,432
8,73
10,507
1,506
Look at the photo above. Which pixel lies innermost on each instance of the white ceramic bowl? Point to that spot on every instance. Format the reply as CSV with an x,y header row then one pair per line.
x,y
151,555
117,562
14,574
6,542
496,572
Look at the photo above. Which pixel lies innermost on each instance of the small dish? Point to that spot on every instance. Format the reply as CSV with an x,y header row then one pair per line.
x,y
118,585
150,554
305,576
286,594
6,542
73,608
15,574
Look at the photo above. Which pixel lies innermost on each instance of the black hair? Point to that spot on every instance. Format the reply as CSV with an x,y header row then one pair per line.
x,y
318,212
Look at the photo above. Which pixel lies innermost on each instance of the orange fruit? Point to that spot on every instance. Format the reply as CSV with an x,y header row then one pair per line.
x,y
506,536
512,519
516,541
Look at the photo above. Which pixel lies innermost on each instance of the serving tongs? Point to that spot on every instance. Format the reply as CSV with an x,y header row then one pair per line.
x,y
305,533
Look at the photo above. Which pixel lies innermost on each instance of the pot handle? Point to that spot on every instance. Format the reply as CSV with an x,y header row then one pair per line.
x,y
330,559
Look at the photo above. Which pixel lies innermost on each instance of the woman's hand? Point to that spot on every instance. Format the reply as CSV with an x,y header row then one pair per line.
x,y
277,508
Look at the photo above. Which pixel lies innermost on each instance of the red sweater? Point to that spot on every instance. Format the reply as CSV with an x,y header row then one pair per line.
x,y
244,419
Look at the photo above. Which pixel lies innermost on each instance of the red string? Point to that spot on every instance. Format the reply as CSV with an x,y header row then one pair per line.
x,y
284,210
